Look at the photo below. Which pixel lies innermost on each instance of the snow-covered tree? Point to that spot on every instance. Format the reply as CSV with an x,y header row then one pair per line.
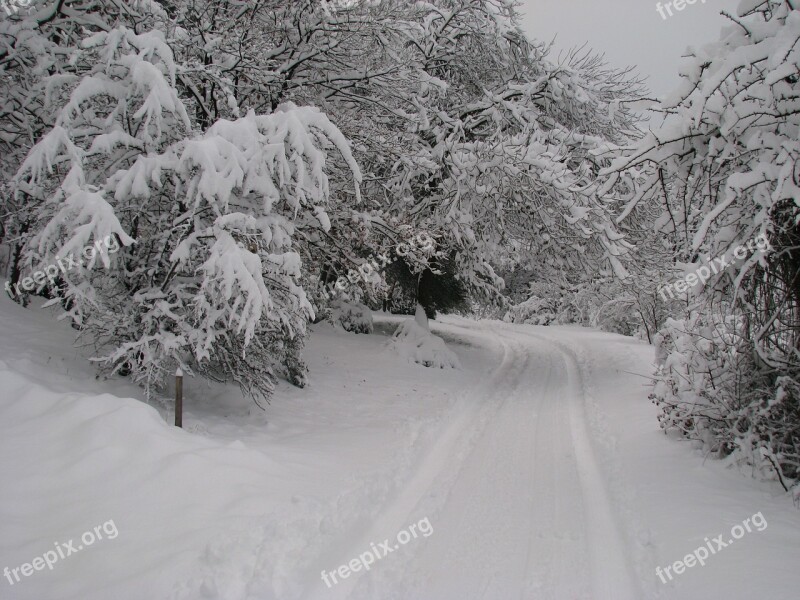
x,y
463,128
38,45
503,144
721,173
208,278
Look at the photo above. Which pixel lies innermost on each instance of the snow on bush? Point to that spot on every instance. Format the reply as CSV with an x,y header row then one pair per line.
x,y
534,311
414,342
210,274
352,316
710,388
719,172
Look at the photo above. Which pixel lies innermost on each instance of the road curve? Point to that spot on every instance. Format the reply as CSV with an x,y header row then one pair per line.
x,y
512,488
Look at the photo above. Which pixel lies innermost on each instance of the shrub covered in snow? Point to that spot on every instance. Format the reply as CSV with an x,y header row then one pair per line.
x,y
718,174
352,316
710,387
414,342
629,307
533,311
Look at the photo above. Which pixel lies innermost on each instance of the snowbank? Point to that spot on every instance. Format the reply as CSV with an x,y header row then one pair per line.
x,y
72,461
240,504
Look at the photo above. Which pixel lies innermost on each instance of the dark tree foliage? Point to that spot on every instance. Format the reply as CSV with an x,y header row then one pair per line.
x,y
438,288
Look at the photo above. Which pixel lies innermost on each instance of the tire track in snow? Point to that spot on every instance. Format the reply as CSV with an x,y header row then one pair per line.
x,y
536,452
452,446
481,546
610,564
513,490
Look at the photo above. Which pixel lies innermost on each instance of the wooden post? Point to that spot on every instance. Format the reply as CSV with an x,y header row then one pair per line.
x,y
179,398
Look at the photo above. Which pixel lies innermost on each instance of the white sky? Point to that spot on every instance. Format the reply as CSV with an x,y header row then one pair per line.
x,y
629,32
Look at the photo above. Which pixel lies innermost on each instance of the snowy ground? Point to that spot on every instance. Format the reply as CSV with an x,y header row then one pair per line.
x,y
539,466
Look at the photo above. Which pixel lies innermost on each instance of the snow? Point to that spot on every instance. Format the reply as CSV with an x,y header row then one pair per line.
x,y
231,167
352,316
539,464
415,343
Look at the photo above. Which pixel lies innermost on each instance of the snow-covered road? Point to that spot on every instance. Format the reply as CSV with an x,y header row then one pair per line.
x,y
539,467
513,489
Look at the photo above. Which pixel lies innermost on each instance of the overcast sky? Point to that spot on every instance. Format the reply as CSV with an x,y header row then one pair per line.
x,y
629,32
